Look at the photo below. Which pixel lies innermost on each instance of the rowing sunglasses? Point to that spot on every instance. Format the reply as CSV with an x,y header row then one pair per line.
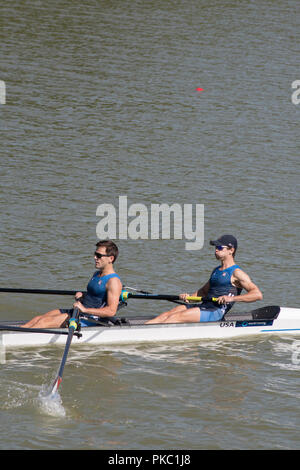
x,y
221,247
99,255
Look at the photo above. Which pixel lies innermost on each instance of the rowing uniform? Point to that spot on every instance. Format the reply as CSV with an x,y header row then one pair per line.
x,y
219,284
94,297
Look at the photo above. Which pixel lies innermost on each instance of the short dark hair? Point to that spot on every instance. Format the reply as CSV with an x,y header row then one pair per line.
x,y
111,248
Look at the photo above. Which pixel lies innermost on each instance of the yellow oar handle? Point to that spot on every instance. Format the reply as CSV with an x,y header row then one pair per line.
x,y
199,299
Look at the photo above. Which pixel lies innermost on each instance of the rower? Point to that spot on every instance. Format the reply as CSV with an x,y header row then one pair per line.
x,y
225,283
101,299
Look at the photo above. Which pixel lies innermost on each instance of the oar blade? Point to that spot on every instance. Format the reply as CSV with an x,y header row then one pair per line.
x,y
56,385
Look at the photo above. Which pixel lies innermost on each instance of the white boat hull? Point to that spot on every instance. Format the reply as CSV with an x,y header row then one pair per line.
x,y
287,322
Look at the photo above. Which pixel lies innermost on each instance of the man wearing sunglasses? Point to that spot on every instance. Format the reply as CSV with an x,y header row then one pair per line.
x,y
101,298
225,283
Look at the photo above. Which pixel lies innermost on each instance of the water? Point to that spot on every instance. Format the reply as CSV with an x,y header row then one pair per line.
x,y
216,395
102,102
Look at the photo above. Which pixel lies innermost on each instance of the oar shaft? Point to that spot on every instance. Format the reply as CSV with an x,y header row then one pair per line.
x,y
124,296
35,330
73,324
38,291
129,295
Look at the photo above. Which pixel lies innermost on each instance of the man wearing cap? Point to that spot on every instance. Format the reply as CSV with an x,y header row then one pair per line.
x,y
225,283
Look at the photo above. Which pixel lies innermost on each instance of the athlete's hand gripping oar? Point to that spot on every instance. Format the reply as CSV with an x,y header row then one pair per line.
x,y
73,325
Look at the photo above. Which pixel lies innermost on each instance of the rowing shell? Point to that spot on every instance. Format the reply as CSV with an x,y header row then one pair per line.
x,y
267,320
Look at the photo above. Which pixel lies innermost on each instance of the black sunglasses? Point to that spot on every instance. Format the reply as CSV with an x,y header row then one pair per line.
x,y
220,247
99,255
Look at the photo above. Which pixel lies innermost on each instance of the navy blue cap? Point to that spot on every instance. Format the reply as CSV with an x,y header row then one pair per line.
x,y
226,240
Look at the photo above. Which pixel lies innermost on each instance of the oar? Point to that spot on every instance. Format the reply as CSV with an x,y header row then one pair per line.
x,y
124,296
130,295
38,291
36,330
73,325
147,292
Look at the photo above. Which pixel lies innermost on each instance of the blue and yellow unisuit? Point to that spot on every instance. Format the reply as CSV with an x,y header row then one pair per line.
x,y
95,296
219,284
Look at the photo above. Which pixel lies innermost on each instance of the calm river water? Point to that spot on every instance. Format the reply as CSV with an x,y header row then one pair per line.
x,y
174,102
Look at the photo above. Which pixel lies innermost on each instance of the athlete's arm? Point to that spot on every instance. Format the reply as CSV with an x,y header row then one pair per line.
x,y
202,292
241,280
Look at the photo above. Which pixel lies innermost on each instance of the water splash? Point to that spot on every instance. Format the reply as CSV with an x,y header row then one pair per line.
x,y
51,403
